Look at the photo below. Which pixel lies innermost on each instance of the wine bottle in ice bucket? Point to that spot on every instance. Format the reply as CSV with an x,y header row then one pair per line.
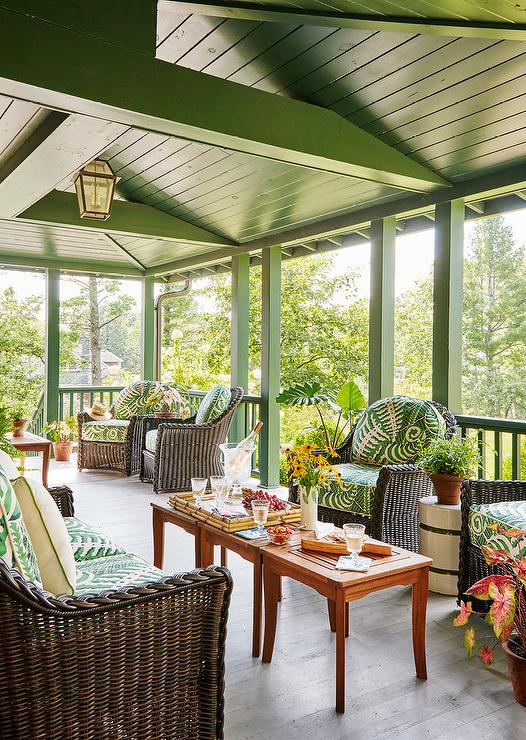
x,y
237,461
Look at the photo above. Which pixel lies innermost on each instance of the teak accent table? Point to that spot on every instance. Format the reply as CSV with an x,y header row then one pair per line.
x,y
340,587
33,443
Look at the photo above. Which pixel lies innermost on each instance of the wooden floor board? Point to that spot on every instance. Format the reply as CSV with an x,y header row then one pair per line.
x,y
293,697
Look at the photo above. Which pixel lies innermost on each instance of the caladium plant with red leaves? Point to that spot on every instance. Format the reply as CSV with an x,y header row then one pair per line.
x,y
506,591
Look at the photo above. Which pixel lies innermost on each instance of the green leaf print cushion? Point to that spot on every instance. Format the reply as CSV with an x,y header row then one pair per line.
x,y
132,400
393,430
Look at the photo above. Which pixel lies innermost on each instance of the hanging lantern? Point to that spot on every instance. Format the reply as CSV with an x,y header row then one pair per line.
x,y
95,185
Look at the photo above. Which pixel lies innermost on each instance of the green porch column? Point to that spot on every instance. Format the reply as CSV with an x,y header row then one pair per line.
x,y
148,328
52,344
239,337
270,366
381,309
447,304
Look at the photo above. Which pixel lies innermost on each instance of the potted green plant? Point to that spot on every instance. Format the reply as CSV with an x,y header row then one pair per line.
x,y
507,614
162,401
62,433
448,462
19,421
6,426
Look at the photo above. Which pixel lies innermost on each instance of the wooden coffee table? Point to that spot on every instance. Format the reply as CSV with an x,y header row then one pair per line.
x,y
340,587
33,443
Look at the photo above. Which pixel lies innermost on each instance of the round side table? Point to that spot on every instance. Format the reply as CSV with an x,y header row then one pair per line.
x,y
440,540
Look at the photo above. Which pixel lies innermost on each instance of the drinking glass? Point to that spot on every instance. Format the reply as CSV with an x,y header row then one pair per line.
x,y
219,488
354,536
260,515
198,489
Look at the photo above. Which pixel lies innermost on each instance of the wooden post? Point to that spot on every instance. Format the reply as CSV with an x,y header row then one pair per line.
x,y
239,337
270,366
382,303
52,344
148,328
447,304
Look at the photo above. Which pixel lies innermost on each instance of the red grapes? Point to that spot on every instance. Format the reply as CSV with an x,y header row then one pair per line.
x,y
275,503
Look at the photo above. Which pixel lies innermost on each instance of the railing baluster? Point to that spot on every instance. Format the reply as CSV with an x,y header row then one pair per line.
x,y
497,439
515,456
480,444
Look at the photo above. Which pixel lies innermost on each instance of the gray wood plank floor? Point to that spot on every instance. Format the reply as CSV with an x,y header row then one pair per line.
x,y
293,697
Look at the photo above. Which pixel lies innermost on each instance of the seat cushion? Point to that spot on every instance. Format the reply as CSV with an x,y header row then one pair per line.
x,y
213,404
15,546
488,524
49,536
113,430
354,493
134,399
151,440
89,543
117,571
394,430
8,466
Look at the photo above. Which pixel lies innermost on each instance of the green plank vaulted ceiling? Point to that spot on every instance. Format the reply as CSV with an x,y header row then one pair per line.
x,y
454,104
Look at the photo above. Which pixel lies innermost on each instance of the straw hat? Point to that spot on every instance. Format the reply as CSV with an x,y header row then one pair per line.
x,y
98,411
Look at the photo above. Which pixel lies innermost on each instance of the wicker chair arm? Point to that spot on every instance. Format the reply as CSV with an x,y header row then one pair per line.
x,y
63,496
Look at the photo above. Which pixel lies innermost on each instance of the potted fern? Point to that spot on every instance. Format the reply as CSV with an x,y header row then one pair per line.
x,y
448,462
62,433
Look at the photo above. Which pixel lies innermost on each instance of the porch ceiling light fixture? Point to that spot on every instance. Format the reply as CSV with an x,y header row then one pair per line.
x,y
95,186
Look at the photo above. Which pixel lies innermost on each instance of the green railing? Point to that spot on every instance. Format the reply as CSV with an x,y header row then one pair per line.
x,y
36,425
74,399
500,445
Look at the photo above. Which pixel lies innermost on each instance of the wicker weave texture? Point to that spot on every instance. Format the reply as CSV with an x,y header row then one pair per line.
x,y
472,566
138,663
124,457
185,450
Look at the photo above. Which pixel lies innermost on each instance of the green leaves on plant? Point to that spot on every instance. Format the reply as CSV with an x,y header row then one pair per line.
x,y
303,394
350,398
451,457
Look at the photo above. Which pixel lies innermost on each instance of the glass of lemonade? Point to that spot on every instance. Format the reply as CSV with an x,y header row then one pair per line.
x,y
198,489
260,515
354,537
219,486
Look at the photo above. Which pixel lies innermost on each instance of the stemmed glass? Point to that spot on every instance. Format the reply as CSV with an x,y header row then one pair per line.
x,y
260,515
354,537
219,486
198,489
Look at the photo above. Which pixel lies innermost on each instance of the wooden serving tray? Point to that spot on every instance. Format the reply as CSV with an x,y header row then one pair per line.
x,y
309,542
185,502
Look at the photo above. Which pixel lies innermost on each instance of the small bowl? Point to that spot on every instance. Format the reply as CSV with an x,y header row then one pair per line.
x,y
280,534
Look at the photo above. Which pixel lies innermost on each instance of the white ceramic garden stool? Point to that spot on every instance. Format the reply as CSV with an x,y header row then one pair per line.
x,y
440,540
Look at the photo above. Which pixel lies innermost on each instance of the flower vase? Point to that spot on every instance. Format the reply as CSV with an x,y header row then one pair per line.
x,y
309,506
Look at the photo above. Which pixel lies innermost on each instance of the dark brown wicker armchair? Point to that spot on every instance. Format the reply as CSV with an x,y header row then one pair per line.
x,y
394,505
140,662
185,450
472,565
124,457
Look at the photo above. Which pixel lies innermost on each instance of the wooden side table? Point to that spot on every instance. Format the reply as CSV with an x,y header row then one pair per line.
x,y
33,443
318,571
163,513
440,540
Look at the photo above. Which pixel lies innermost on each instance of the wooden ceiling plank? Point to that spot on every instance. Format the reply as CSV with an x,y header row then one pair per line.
x,y
397,23
172,100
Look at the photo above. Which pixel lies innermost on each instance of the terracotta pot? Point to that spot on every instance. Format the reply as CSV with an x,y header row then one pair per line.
x,y
19,427
517,669
62,451
447,488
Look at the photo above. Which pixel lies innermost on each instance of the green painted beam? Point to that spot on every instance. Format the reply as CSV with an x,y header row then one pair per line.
x,y
270,367
381,311
71,265
127,219
447,304
148,328
128,23
52,344
94,78
44,161
335,19
239,334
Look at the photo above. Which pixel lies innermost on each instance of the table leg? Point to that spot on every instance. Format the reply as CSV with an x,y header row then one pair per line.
x,y
197,546
271,589
420,589
207,551
280,592
224,562
45,465
341,622
158,539
331,608
257,606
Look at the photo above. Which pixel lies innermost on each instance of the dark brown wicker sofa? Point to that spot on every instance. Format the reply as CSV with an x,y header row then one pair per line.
x,y
184,449
141,663
472,565
386,498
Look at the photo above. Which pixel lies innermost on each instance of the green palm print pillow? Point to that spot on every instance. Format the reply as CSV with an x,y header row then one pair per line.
x,y
393,431
15,546
132,400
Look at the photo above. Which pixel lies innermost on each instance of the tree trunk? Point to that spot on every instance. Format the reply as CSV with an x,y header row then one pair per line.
x,y
94,332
